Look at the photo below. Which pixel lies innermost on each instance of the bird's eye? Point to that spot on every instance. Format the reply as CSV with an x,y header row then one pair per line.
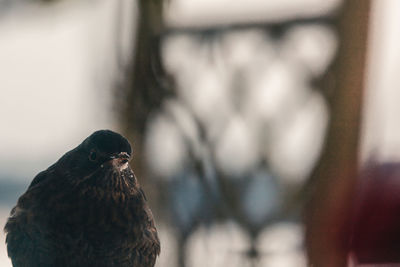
x,y
93,155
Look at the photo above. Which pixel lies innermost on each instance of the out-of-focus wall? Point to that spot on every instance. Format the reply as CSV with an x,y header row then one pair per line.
x,y
381,130
57,66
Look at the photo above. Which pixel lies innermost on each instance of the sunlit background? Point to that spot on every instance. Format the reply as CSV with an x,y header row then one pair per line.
x,y
224,154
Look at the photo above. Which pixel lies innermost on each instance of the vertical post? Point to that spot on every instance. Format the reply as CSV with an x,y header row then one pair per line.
x,y
328,212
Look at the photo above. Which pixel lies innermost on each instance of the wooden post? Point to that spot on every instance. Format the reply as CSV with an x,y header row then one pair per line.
x,y
328,213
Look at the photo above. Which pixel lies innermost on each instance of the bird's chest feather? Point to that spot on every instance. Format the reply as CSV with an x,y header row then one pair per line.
x,y
101,224
97,211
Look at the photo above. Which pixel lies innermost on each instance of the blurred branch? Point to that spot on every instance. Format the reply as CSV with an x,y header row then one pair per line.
x,y
144,92
332,182
143,87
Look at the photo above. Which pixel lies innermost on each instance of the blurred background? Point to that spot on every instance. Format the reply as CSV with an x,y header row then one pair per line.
x,y
249,119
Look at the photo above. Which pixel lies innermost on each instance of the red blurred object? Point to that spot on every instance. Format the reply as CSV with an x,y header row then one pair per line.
x,y
375,233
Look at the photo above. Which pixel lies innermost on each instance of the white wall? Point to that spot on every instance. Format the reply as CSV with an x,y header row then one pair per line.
x,y
56,65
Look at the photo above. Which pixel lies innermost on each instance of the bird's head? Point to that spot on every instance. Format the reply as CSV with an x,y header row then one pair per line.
x,y
100,158
106,147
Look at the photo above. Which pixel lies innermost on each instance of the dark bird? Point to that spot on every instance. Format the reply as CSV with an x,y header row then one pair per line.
x,y
87,209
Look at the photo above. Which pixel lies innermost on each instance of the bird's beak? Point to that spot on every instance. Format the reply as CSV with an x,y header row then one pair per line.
x,y
119,160
122,157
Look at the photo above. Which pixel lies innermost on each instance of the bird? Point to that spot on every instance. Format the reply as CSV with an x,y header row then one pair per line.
x,y
87,209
